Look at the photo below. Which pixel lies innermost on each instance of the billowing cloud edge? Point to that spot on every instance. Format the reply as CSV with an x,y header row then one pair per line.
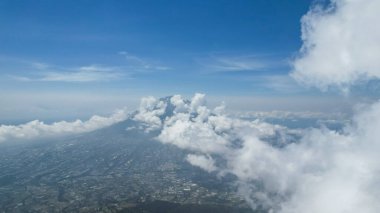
x,y
281,175
341,45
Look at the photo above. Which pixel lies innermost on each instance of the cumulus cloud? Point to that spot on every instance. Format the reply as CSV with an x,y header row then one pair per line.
x,y
345,173
38,129
341,47
341,44
206,163
149,113
324,171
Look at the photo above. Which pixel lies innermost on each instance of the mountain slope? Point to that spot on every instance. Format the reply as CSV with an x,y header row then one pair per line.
x,y
109,169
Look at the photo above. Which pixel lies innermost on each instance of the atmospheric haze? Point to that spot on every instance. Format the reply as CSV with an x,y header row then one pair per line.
x,y
317,170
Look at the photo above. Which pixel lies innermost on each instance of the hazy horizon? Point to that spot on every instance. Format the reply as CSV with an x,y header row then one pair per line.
x,y
201,106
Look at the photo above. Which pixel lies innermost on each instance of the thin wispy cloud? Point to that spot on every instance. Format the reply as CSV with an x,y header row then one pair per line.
x,y
133,58
139,63
279,83
39,65
217,63
80,76
90,73
20,69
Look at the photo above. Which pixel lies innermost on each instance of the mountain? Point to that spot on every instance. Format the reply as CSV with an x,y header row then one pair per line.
x,y
119,168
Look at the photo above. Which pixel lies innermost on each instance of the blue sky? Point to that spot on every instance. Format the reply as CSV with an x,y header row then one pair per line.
x,y
129,49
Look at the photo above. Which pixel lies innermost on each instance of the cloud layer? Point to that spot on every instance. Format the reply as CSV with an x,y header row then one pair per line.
x,y
341,44
38,129
324,171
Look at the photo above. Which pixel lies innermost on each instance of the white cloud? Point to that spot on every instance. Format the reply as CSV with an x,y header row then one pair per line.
x,y
179,103
205,163
138,63
81,74
40,66
238,64
343,168
280,114
38,129
219,63
341,48
325,171
149,113
341,44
